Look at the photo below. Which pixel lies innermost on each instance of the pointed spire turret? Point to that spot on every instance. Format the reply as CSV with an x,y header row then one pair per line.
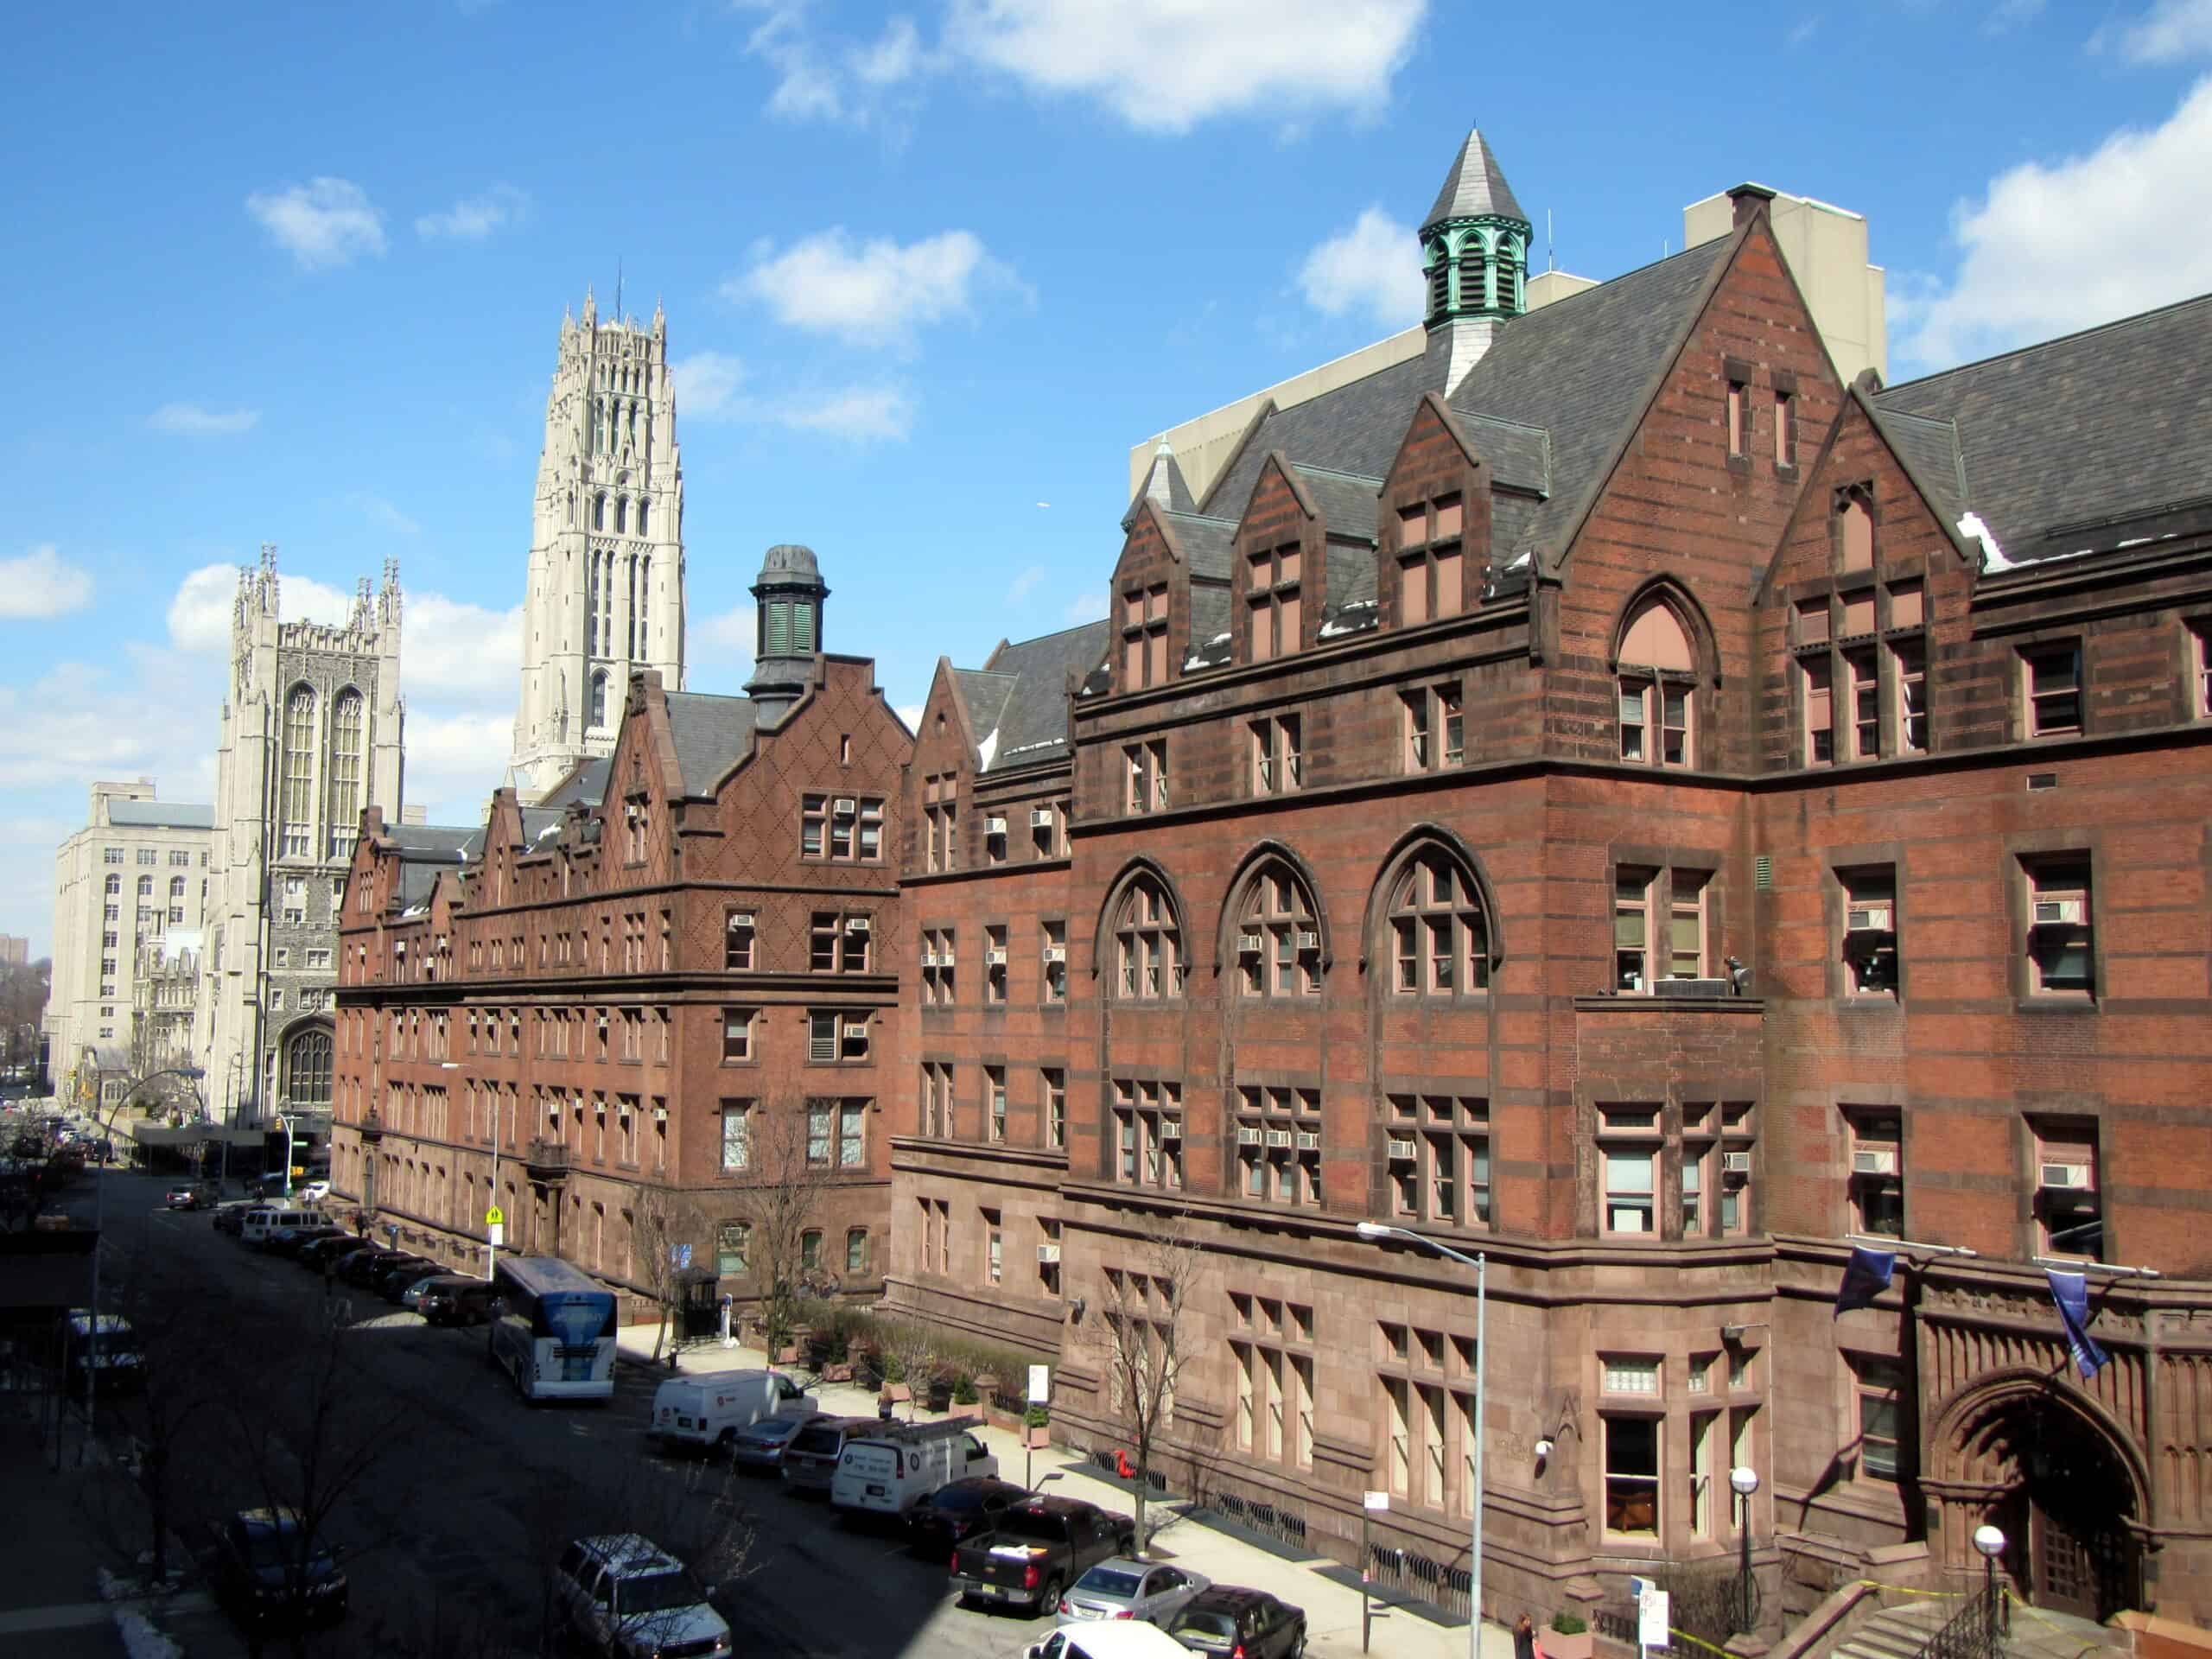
x,y
1474,252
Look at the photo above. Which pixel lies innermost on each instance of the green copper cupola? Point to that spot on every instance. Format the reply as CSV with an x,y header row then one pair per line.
x,y
787,608
1474,244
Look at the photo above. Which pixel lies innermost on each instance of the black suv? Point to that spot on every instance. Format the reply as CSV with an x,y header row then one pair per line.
x,y
266,1575
1225,1619
455,1299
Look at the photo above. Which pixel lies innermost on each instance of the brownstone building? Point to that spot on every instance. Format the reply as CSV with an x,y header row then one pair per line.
x,y
640,995
1610,796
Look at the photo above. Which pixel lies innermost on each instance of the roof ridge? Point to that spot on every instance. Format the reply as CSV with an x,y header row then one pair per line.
x,y
1338,471
1566,299
2041,345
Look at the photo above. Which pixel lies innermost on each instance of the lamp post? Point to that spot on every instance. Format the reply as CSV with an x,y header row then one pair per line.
x,y
1743,1481
1990,1541
1480,1263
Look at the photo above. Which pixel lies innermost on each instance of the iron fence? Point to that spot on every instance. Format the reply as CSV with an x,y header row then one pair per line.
x,y
1275,1520
1410,1573
1977,1630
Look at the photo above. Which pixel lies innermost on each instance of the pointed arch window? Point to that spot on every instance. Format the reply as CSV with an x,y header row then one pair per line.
x,y
1440,281
1505,274
621,515
599,700
1147,943
346,724
307,1068
599,512
644,517
1473,294
297,814
1278,934
1657,685
1437,929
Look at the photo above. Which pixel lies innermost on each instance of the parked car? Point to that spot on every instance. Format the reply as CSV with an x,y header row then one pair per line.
x,y
393,1285
1229,1619
1124,1588
1040,1546
758,1447
318,1252
229,1215
455,1299
192,1195
887,1472
397,1261
313,1192
361,1268
811,1460
292,1242
627,1596
947,1514
262,1226
707,1408
1107,1639
267,1573
111,1362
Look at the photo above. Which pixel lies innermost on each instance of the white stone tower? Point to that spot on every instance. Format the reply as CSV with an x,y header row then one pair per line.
x,y
606,590
311,736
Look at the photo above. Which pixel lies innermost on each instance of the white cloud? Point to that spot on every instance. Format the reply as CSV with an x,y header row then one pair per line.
x,y
455,653
192,421
1802,32
733,630
872,294
859,413
805,89
455,761
1025,584
381,513
78,722
2022,276
322,222
40,584
1086,607
1165,64
474,218
200,614
2170,31
894,57
2008,15
911,715
706,384
1373,267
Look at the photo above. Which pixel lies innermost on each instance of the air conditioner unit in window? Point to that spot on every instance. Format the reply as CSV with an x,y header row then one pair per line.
x,y
1248,1135
1309,938
1868,918
1279,1137
1735,1163
1402,1148
1170,1129
1874,1160
1048,1255
856,1029
1309,1140
1056,953
996,957
845,806
995,826
740,919
929,958
2074,1177
2057,912
856,924
1248,942
1040,817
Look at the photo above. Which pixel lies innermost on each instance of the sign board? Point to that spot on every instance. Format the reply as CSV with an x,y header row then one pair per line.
x,y
498,1233
1651,1611
680,1255
1377,1500
494,1216
1040,1384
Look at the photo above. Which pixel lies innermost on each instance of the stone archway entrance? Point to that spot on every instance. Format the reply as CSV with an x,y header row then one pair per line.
x,y
2028,1457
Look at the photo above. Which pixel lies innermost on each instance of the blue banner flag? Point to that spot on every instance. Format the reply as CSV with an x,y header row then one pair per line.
x,y
1866,1276
2070,1293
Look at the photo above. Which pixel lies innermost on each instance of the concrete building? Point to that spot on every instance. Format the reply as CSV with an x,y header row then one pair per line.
x,y
15,951
311,733
139,868
165,1002
1608,792
605,593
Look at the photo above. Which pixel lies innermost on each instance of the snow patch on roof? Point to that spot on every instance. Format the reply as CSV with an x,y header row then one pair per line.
x,y
986,748
1993,557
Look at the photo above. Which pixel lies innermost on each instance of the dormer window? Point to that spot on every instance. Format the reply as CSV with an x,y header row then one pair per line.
x,y
1144,636
1272,599
1431,570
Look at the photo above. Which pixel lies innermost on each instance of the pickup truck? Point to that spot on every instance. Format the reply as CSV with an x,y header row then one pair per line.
x,y
1042,1545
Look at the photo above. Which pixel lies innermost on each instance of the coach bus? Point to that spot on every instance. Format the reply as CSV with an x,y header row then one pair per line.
x,y
552,1330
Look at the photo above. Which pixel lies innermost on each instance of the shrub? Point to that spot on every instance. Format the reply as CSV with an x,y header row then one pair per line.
x,y
963,1390
1568,1623
1036,1417
894,1369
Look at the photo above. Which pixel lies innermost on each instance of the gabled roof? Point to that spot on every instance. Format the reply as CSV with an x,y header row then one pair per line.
x,y
1475,187
1018,698
425,851
586,783
711,734
1163,482
1357,428
2055,441
161,815
1346,502
1207,543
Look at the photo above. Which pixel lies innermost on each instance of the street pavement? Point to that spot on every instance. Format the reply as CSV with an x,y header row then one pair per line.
x,y
451,1529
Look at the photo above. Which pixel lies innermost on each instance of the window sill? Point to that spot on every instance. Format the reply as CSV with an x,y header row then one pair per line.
x,y
2055,1002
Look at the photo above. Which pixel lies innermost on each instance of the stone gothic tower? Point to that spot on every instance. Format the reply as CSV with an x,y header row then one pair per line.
x,y
1474,259
311,732
605,587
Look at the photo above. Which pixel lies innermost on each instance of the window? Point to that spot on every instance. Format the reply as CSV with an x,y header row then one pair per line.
x,y
1632,896
1865,691
114,887
344,812
1437,1148
2200,671
1657,674
1048,1257
731,1240
318,961
995,1100
110,855
1278,936
839,943
1909,667
1045,824
1632,1476
844,828
1147,943
1877,1176
1819,711
148,855
737,1146
145,886
2053,689
856,1249
809,1251
938,966
297,807
1785,428
1435,730
2060,962
1144,636
737,941
1279,1144
994,1248
1853,521
307,1066
1716,1173
995,838
1146,765
1877,1384
1056,1107
852,1134
821,1127
2070,1217
1149,1132
937,1099
1700,1472
295,900
1431,580
1870,935
836,1036
1628,1148
940,821
1055,964
994,964
1439,935
1739,420
1278,764
1274,1404
1271,601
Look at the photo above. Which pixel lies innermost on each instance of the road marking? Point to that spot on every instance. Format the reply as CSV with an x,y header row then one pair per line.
x,y
74,1615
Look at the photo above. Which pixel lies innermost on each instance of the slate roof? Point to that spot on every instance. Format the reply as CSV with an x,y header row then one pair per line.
x,y
1357,428
2058,439
1206,542
711,733
424,850
1028,680
1347,503
586,783
1177,488
161,815
1475,186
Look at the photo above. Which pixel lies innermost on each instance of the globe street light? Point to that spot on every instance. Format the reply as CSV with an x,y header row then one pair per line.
x,y
1379,1231
1744,1480
1990,1541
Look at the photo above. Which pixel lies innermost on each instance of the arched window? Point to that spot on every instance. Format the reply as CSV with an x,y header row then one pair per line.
x,y
621,515
115,887
176,887
1440,281
344,816
644,517
1439,934
1658,674
307,1068
296,812
599,512
1147,943
1472,294
145,886
598,700
1278,934
1505,273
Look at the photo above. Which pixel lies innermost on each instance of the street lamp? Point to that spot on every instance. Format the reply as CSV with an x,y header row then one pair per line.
x,y
1990,1541
1744,1480
1379,1231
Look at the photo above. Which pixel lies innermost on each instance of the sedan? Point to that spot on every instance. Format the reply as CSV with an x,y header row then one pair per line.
x,y
1123,1588
394,1284
940,1520
360,1267
322,1253
758,1447
268,1572
1229,1620
410,1298
297,1239
184,1197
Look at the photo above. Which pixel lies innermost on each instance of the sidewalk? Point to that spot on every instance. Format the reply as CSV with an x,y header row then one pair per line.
x,y
1331,1607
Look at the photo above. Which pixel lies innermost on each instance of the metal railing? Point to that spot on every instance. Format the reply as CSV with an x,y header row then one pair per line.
x,y
1275,1520
1977,1630
1408,1572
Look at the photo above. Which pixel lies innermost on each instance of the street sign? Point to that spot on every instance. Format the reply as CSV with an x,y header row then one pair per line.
x,y
1651,1613
498,1232
494,1216
1378,1500
1040,1384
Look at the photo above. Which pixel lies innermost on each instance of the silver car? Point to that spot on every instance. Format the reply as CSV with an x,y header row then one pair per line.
x,y
1122,1588
761,1445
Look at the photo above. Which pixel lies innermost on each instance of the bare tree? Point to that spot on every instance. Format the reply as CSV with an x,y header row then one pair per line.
x,y
790,1166
668,1232
913,1344
1145,1335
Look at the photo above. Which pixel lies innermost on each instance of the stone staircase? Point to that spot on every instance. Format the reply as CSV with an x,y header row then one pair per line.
x,y
1901,1632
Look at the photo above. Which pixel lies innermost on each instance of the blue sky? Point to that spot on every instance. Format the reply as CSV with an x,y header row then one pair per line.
x,y
294,273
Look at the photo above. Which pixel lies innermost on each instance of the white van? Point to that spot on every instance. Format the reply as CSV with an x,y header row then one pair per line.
x,y
261,1224
1103,1639
707,1408
889,1470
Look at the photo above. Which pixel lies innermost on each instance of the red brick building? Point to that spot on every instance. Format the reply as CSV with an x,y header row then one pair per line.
x,y
1608,794
642,994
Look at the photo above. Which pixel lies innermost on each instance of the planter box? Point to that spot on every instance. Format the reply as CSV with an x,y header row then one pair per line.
x,y
897,1393
835,1372
788,1356
1560,1644
1040,1434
